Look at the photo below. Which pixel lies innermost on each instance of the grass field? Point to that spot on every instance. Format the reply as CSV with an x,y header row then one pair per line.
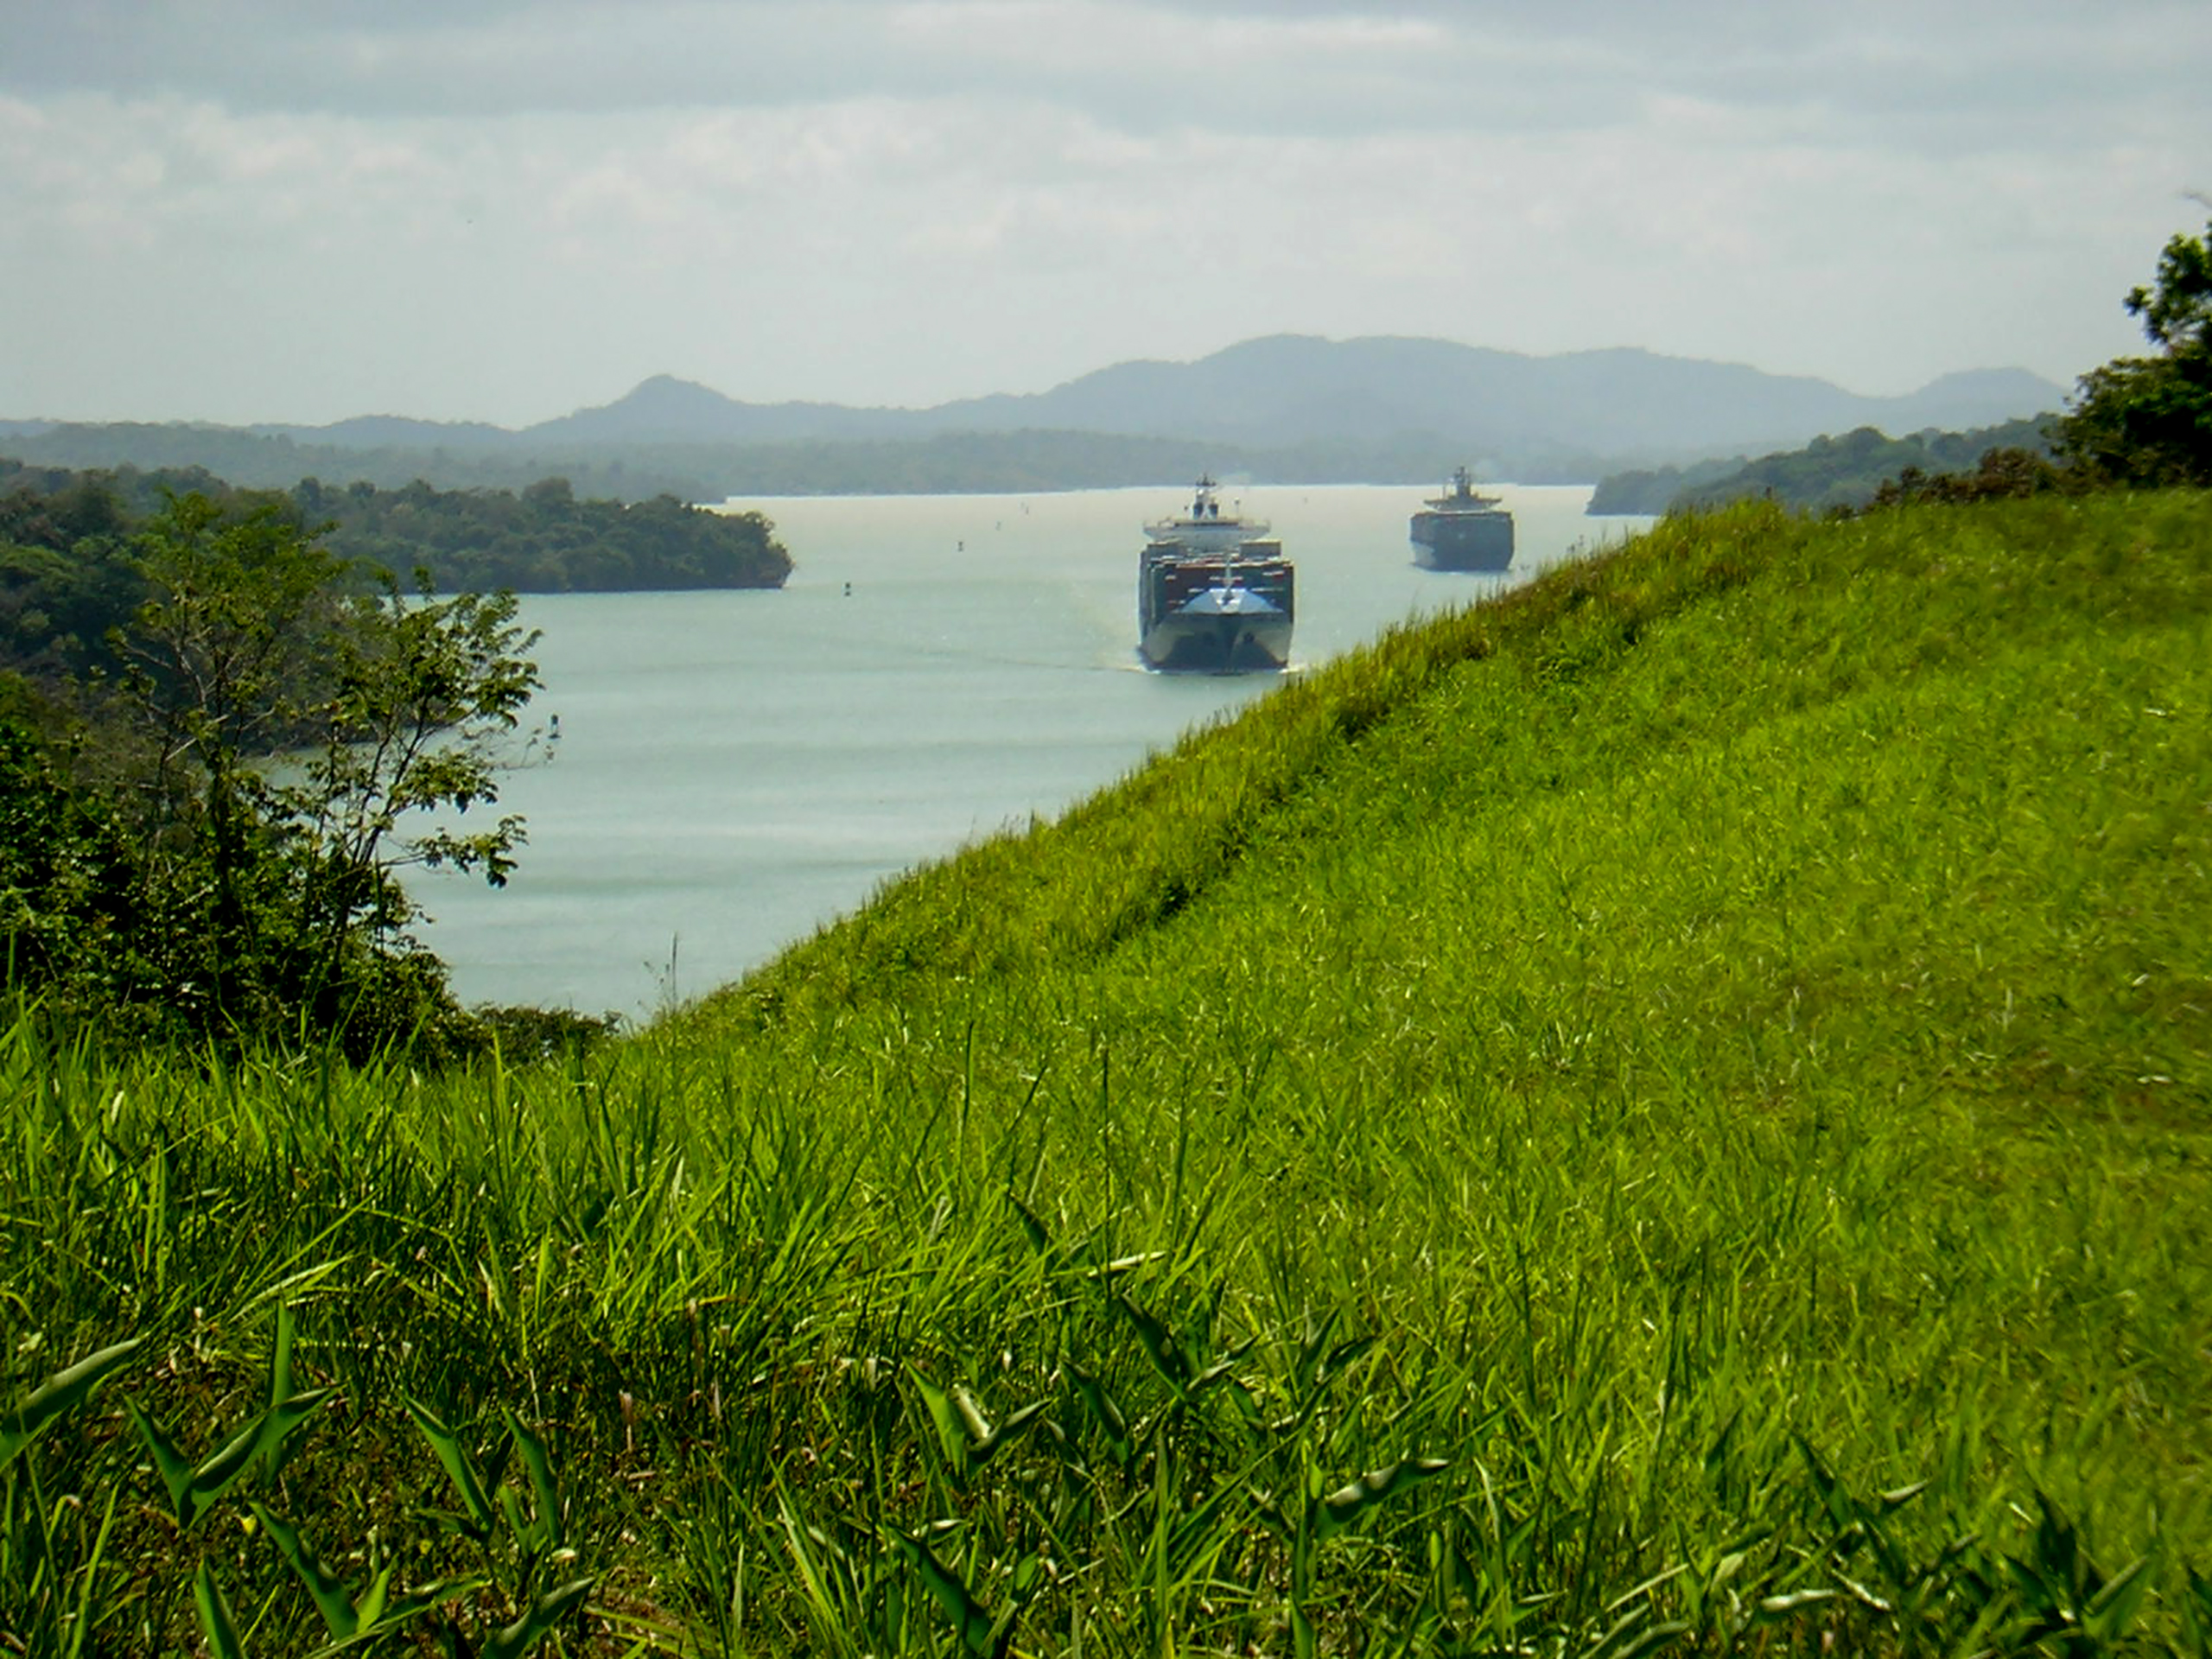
x,y
1674,1109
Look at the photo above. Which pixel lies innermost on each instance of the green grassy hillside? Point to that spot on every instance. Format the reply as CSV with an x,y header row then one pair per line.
x,y
1672,1107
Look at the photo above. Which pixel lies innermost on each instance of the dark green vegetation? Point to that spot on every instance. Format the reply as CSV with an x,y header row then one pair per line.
x,y
1827,474
213,746
2136,421
220,736
632,470
1675,1106
1652,490
545,540
2148,419
60,532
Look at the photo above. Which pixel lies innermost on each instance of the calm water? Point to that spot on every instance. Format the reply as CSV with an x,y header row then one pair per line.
x,y
734,769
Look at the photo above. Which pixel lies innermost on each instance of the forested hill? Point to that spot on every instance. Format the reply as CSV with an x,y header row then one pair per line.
x,y
545,539
1827,473
541,539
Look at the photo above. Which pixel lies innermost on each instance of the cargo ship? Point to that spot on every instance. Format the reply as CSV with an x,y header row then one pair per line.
x,y
1462,529
1215,594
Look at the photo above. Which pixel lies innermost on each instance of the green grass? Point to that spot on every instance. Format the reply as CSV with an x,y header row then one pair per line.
x,y
1694,1080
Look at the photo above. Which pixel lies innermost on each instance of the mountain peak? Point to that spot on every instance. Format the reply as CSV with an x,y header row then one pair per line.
x,y
1287,389
1989,383
666,391
654,385
660,408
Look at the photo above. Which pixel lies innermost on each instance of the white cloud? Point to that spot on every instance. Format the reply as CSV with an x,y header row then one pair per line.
x,y
248,210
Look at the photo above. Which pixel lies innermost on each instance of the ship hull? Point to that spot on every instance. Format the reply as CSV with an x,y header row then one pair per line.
x,y
1463,541
1182,643
1215,611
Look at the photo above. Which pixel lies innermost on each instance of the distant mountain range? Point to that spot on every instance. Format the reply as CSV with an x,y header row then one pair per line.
x,y
1286,407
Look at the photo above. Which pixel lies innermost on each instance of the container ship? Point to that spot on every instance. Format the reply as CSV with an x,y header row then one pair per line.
x,y
1462,529
1215,594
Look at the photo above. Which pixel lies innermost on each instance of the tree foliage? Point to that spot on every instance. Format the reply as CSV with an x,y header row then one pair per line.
x,y
1847,472
227,797
2176,306
1999,474
546,538
2148,420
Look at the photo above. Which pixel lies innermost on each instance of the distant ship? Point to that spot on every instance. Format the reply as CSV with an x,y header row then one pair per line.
x,y
1462,529
1214,593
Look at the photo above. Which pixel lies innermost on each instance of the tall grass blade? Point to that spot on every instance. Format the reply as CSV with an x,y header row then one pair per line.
x,y
989,1441
1160,1346
324,1588
174,1467
1341,1508
945,1417
1111,1422
195,1489
979,1632
57,1396
548,1611
828,1621
215,1620
2112,1611
461,1469
277,1434
552,1529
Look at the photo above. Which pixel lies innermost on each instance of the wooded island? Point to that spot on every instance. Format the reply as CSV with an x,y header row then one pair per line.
x,y
543,539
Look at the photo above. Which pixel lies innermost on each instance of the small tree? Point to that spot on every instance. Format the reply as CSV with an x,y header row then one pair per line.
x,y
421,700
222,665
2176,308
289,720
2148,419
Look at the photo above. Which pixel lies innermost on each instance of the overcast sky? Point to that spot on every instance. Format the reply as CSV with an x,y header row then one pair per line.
x,y
502,210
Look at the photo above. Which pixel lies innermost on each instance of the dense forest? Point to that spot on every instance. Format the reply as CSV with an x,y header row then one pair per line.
x,y
1828,473
1652,490
543,539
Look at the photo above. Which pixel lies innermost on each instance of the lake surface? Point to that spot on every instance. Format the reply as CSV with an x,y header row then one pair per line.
x,y
734,769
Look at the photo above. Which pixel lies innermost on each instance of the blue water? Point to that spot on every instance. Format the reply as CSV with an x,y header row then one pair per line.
x,y
734,770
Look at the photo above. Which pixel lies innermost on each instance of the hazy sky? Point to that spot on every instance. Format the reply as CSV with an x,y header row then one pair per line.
x,y
300,210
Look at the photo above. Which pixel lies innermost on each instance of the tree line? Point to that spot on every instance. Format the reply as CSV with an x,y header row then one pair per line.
x,y
543,538
2136,421
1828,474
274,460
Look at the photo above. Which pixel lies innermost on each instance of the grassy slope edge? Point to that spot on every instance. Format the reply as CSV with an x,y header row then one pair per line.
x,y
1715,1049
